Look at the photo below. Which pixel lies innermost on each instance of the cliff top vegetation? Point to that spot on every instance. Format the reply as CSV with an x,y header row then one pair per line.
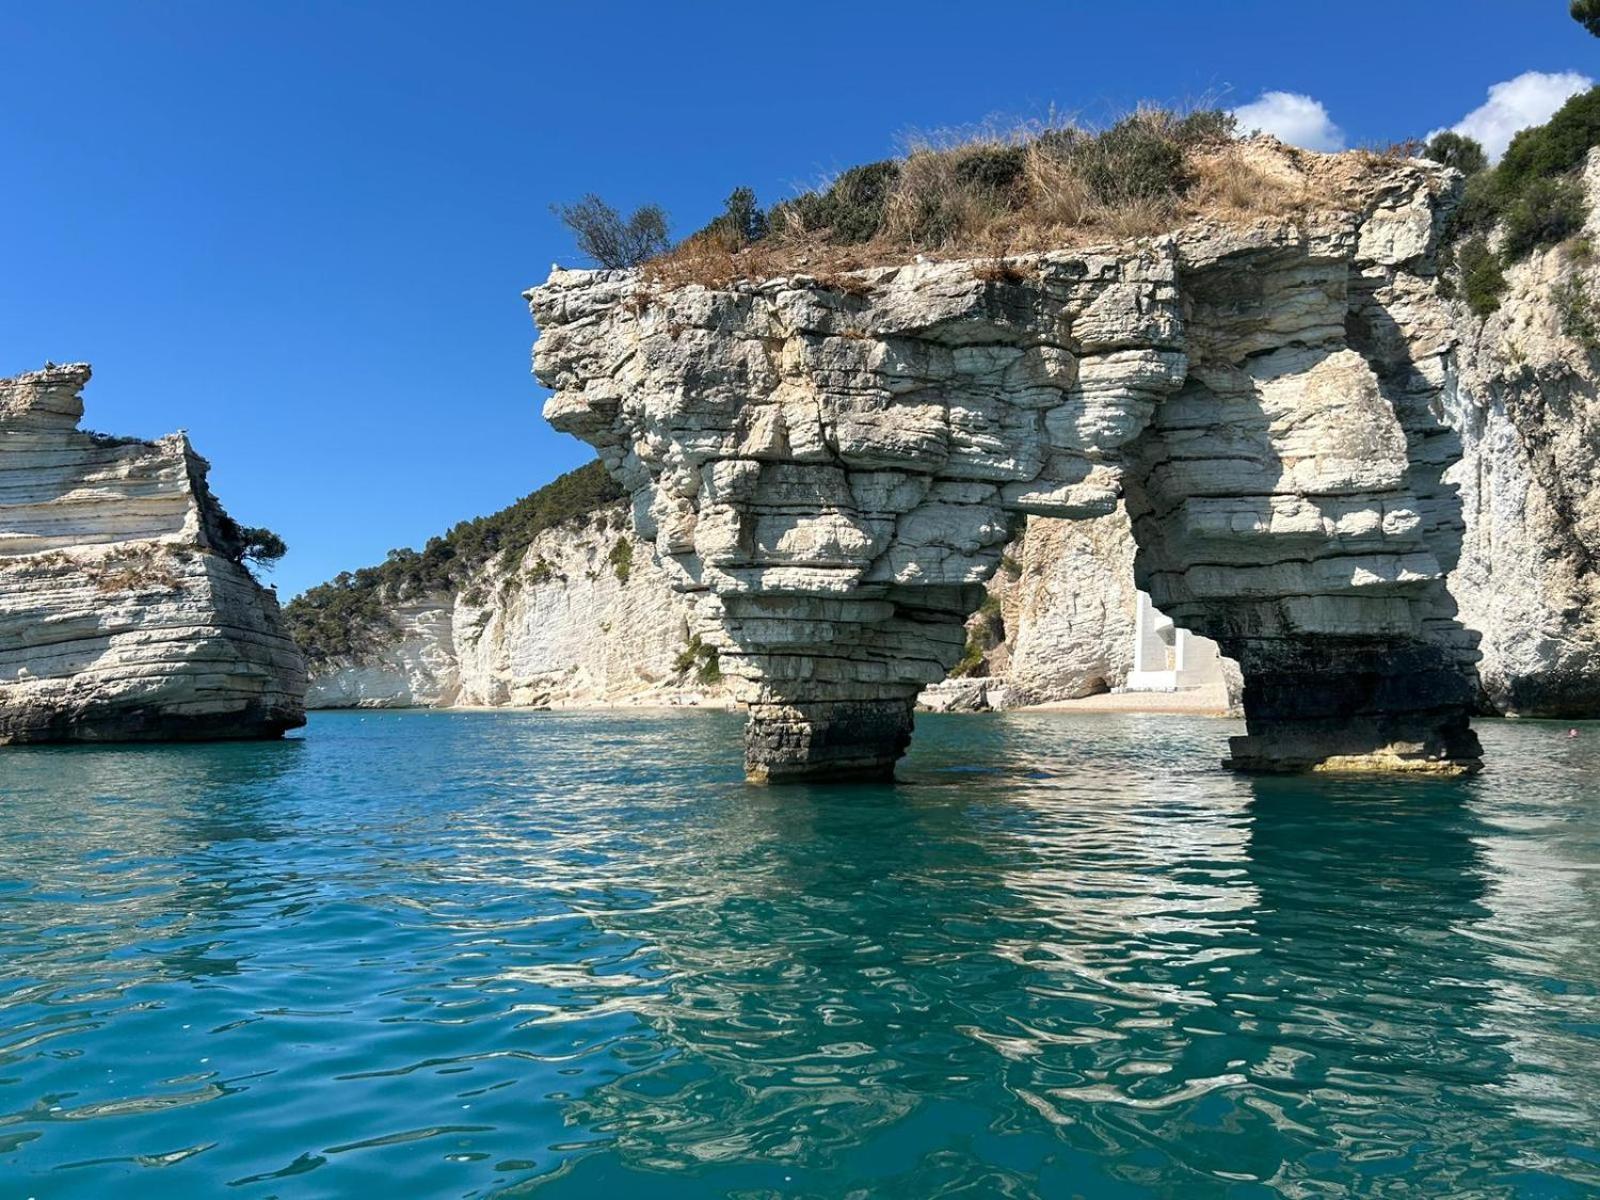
x,y
997,193
1532,199
349,613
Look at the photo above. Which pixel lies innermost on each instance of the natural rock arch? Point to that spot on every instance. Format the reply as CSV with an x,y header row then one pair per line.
x,y
833,473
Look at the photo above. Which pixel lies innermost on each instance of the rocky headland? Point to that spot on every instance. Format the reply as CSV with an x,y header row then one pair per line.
x,y
831,467
126,613
1287,423
582,616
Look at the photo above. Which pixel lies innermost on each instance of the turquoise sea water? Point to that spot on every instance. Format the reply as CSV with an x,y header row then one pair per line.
x,y
451,955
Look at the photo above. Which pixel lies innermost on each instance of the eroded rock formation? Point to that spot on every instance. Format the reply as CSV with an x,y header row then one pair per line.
x,y
124,613
1526,405
564,626
832,472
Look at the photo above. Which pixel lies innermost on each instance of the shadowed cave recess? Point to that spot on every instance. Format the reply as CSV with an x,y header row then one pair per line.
x,y
832,469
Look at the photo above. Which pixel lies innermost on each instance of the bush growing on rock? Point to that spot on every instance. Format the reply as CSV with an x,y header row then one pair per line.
x,y
248,544
986,629
849,211
1482,280
262,548
1454,150
621,558
991,193
1533,196
603,235
700,657
1558,146
742,220
1579,320
1546,212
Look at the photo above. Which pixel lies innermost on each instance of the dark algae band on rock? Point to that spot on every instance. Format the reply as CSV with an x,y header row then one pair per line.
x,y
833,472
126,610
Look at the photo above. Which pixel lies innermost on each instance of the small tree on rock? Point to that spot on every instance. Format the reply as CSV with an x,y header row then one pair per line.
x,y
261,547
605,237
1458,151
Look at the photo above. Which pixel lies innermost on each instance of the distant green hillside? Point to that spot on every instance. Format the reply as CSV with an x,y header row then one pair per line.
x,y
349,613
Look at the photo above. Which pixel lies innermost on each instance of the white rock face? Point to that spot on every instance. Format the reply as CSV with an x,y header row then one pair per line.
x,y
1068,606
1526,404
122,613
414,667
834,474
562,630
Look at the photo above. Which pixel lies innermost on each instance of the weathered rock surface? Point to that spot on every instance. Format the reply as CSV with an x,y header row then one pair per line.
x,y
124,613
1060,623
1526,405
1067,605
562,629
833,474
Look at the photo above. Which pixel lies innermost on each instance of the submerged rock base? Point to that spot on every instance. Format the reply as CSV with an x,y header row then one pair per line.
x,y
1400,709
852,739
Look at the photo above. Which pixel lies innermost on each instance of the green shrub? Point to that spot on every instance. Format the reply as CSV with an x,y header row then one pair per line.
x,y
1138,158
983,635
1533,190
621,558
1482,281
1454,150
971,658
1587,14
850,211
261,547
993,169
1479,208
1559,145
1206,126
700,657
742,222
1546,211
1578,317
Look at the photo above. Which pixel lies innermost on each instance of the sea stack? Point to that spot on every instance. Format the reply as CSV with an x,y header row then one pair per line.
x,y
832,465
126,613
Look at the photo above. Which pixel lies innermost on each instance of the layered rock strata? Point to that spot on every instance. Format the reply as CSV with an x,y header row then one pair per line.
x,y
564,626
124,611
833,472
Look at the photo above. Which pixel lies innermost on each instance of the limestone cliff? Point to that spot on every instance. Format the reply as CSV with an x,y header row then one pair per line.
x,y
1059,623
124,611
1525,401
573,622
831,471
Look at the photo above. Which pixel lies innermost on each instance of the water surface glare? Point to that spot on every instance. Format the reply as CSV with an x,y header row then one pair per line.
x,y
486,954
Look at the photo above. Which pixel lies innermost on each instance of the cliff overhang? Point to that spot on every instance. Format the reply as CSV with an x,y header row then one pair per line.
x,y
832,471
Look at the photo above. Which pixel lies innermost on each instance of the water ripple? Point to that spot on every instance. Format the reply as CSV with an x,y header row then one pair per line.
x,y
497,954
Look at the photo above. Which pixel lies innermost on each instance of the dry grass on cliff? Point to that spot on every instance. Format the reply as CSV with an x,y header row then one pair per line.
x,y
993,196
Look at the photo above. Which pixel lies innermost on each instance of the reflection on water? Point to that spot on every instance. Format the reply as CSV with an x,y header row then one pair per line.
x,y
501,954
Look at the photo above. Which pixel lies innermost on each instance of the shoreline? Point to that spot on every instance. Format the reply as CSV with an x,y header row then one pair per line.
x,y
1202,704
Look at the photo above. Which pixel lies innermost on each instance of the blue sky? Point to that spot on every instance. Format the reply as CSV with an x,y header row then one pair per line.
x,y
301,231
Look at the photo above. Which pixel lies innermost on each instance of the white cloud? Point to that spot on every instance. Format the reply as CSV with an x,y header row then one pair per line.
x,y
1293,118
1529,99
